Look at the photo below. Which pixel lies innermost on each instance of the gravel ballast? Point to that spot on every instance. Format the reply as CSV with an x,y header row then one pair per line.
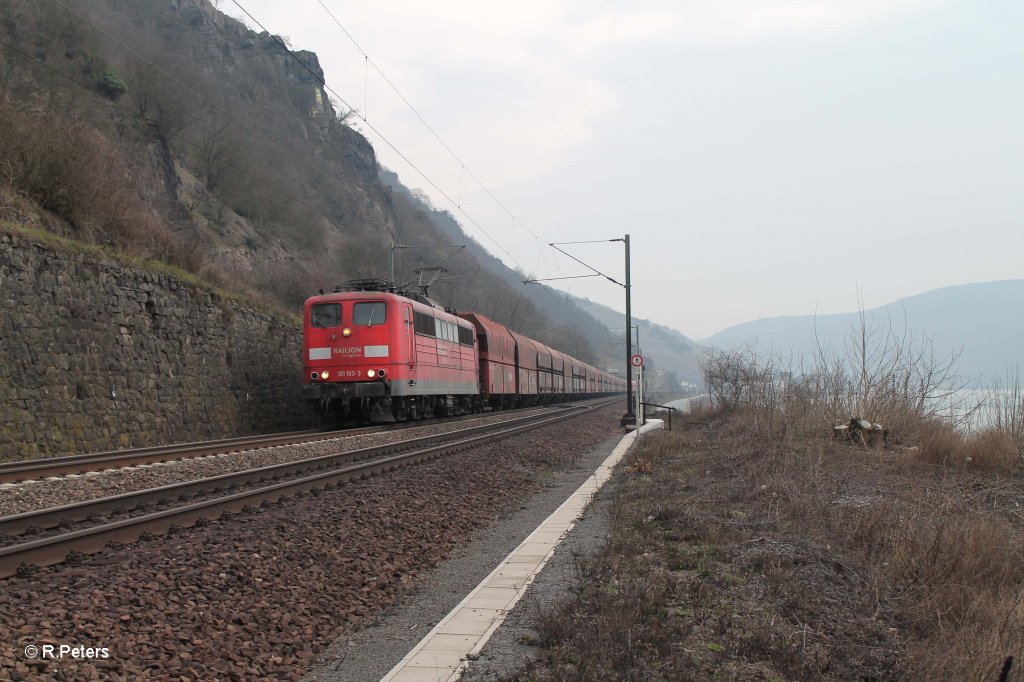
x,y
264,594
370,653
31,495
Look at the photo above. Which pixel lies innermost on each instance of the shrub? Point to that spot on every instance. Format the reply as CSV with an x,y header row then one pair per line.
x,y
110,84
992,450
73,171
898,382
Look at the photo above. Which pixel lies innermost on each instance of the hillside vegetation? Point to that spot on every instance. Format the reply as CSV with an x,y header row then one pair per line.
x,y
982,319
753,543
169,131
664,349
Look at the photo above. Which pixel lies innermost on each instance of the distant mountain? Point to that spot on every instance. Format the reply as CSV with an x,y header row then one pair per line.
x,y
589,331
985,319
663,348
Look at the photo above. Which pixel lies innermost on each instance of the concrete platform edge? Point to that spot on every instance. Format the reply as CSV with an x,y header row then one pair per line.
x,y
511,578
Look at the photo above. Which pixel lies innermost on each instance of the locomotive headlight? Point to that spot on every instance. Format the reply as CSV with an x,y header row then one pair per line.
x,y
381,373
371,373
324,374
313,376
346,332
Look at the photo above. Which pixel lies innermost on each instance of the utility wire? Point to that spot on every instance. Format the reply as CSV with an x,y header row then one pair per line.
x,y
86,86
381,136
227,113
464,170
398,151
588,266
122,44
422,120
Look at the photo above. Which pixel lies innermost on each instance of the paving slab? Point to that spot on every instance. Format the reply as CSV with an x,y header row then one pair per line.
x,y
519,568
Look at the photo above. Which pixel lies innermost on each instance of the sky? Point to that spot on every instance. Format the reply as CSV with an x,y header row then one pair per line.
x,y
766,157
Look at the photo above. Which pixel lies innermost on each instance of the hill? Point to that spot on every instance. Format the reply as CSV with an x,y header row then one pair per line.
x,y
984,319
664,348
536,309
173,132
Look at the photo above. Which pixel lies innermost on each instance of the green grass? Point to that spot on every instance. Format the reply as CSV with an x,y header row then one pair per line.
x,y
56,242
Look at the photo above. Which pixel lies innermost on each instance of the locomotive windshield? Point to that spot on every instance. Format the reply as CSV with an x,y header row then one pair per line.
x,y
369,314
325,315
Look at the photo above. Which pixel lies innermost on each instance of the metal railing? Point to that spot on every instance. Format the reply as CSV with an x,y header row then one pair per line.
x,y
664,407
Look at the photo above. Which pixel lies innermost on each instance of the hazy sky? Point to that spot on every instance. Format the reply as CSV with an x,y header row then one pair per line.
x,y
768,157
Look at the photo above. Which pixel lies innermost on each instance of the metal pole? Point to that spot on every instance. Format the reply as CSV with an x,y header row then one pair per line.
x,y
640,381
628,419
640,393
391,262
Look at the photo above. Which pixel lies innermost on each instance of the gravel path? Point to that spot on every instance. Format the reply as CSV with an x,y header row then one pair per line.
x,y
262,595
514,644
31,495
370,653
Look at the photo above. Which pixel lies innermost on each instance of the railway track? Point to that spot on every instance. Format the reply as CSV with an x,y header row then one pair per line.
x,y
13,472
303,476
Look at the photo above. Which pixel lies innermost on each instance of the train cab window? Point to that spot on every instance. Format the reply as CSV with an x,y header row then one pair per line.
x,y
325,315
465,336
369,314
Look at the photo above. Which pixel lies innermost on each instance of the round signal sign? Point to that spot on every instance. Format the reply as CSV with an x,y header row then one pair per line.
x,y
637,360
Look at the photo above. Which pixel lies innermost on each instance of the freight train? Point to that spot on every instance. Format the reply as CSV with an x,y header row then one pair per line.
x,y
376,353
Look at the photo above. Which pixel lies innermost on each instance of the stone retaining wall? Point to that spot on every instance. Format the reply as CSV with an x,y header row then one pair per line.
x,y
96,355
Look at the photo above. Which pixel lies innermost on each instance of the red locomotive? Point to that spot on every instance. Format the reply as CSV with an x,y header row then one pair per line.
x,y
378,353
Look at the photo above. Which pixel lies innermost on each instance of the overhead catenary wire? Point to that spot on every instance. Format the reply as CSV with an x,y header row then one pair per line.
x,y
367,61
123,44
598,272
437,136
85,86
551,279
464,170
379,134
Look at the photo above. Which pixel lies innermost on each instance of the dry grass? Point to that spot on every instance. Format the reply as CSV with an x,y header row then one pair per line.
x,y
734,558
992,450
207,282
70,169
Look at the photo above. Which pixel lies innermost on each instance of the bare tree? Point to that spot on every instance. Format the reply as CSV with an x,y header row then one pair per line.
x,y
160,101
217,151
890,377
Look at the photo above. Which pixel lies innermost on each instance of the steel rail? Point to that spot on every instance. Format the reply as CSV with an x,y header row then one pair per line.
x,y
97,461
12,472
39,519
55,549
